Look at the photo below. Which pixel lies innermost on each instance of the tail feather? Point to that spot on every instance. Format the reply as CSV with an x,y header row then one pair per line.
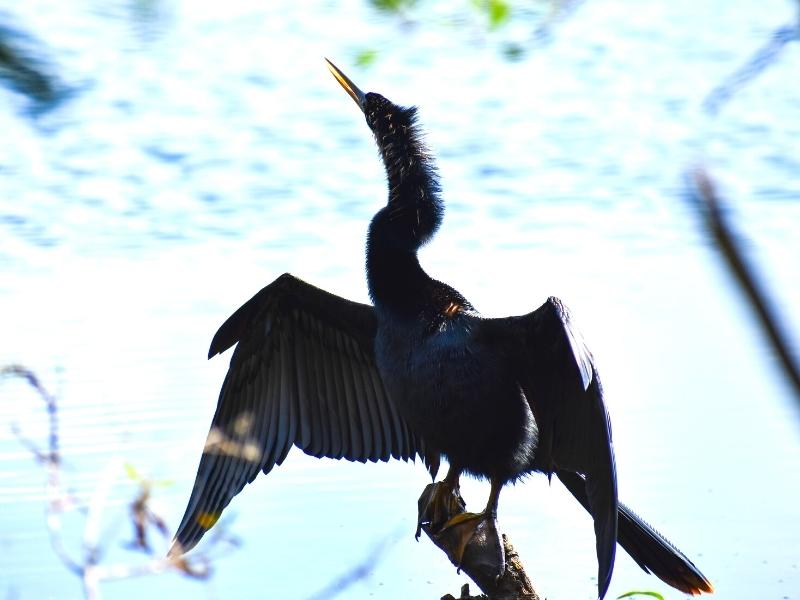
x,y
651,550
657,555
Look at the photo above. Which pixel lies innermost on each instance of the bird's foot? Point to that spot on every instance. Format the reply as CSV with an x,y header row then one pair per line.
x,y
476,528
437,505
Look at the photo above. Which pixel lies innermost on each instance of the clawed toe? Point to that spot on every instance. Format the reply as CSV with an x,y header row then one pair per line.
x,y
438,503
475,528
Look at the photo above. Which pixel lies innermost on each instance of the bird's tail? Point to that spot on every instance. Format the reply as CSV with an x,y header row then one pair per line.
x,y
651,550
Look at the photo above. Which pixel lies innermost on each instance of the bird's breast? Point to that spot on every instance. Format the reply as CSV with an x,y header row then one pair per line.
x,y
457,393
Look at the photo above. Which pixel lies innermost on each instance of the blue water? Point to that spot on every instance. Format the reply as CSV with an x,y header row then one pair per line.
x,y
203,149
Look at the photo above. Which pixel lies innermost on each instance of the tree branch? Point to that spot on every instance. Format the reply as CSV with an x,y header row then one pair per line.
x,y
705,197
480,558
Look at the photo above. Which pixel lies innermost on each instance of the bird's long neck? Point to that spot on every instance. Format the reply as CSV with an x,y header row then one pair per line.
x,y
410,218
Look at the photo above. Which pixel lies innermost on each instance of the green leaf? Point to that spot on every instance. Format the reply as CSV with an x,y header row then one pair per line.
x,y
162,482
498,12
366,57
639,593
393,6
131,472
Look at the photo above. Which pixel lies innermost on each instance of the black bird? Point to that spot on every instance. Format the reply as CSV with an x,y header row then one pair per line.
x,y
419,374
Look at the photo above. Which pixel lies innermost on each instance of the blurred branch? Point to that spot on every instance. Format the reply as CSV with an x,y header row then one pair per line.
x,y
23,70
763,57
59,501
358,572
704,196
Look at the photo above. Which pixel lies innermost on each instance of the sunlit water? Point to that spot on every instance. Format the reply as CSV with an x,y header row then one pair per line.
x,y
205,150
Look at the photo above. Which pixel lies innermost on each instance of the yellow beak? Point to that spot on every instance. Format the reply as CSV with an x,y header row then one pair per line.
x,y
351,88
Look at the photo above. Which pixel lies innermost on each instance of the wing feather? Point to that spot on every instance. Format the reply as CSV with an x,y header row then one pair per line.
x,y
389,428
289,387
285,416
320,397
272,412
558,377
308,424
339,369
261,434
369,410
358,434
333,403
308,375
303,373
343,402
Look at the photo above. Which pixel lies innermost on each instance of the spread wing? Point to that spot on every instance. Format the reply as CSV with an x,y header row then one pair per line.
x,y
558,377
303,373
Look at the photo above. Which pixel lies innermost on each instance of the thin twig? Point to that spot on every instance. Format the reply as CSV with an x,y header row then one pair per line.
x,y
91,572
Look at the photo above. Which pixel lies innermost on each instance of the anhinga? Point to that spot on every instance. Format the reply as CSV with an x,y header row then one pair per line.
x,y
420,373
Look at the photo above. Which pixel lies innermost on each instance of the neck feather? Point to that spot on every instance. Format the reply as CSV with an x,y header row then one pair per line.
x,y
411,216
415,207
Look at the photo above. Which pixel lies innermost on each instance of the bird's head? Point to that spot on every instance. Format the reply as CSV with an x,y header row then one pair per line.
x,y
414,210
386,119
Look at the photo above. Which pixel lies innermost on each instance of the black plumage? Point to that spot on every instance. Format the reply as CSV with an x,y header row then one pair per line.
x,y
419,374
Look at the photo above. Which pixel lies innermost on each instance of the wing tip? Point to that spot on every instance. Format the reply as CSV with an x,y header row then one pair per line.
x,y
602,588
218,344
231,331
605,568
176,549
